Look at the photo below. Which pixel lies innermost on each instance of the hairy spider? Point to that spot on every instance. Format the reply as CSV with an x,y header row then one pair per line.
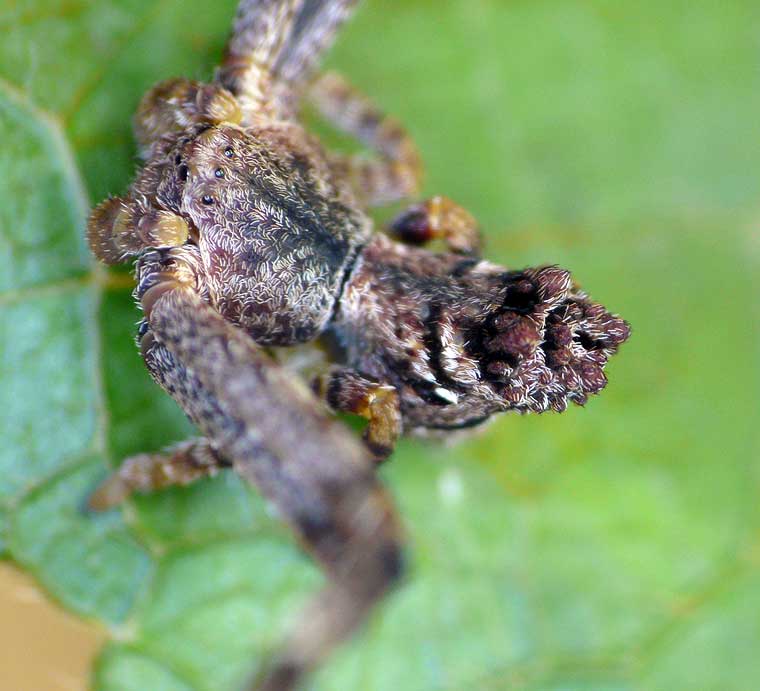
x,y
249,236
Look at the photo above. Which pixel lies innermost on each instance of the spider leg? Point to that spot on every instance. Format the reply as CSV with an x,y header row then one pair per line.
x,y
274,47
180,464
313,33
320,479
259,34
438,218
120,228
396,173
173,105
347,391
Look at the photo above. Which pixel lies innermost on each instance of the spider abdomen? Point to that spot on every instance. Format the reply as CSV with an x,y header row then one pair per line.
x,y
461,339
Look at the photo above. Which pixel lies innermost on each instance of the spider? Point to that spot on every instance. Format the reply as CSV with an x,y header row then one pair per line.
x,y
249,238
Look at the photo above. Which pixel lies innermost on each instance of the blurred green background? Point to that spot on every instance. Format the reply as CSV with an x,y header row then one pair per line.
x,y
612,548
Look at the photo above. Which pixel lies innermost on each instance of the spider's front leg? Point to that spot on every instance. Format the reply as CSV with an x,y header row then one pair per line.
x,y
188,461
319,477
273,49
174,105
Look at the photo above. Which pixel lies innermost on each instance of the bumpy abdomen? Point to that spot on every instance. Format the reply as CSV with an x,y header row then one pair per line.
x,y
461,339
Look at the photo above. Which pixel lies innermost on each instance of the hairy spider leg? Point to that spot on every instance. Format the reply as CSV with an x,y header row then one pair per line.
x,y
320,478
313,33
259,34
396,172
347,391
174,105
274,47
179,465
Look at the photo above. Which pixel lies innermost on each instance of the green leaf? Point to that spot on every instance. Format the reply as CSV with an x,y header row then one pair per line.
x,y
608,549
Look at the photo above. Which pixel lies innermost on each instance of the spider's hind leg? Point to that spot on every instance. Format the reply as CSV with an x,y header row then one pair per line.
x,y
179,465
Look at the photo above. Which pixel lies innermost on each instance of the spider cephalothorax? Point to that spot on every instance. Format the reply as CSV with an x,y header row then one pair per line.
x,y
247,233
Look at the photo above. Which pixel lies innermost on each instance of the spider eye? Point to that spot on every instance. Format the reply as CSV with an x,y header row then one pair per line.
x,y
207,199
182,172
228,152
219,173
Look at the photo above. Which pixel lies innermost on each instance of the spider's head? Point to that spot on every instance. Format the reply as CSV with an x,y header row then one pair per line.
x,y
215,170
276,236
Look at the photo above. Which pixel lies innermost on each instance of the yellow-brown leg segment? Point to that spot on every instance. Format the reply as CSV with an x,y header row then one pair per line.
x,y
174,105
397,172
438,218
319,477
179,465
347,391
118,229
